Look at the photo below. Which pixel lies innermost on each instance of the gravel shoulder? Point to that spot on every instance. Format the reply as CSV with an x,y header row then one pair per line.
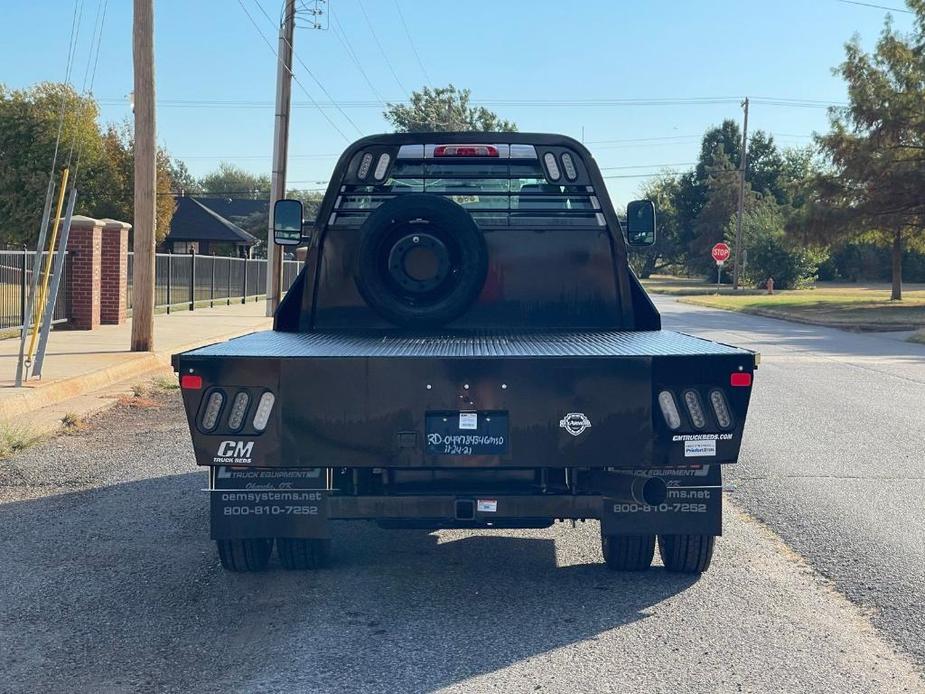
x,y
108,582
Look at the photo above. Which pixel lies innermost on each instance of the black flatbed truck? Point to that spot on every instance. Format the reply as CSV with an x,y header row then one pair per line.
x,y
466,346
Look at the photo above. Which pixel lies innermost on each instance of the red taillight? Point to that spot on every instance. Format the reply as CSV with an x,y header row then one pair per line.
x,y
740,379
465,151
191,381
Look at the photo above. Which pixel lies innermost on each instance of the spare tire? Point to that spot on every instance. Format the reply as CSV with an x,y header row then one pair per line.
x,y
422,260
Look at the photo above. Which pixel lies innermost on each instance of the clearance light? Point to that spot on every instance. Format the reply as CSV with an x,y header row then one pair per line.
x,y
740,379
551,166
382,166
264,407
190,382
365,163
669,409
720,409
238,410
695,409
213,408
570,172
465,151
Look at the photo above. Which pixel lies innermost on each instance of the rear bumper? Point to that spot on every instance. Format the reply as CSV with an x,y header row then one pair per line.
x,y
286,506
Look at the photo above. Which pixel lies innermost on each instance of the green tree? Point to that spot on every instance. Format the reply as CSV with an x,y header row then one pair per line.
x,y
109,189
770,251
234,181
875,151
29,121
102,162
722,186
444,109
183,181
668,250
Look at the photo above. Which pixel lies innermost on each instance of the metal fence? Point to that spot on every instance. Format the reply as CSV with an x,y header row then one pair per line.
x,y
191,281
15,284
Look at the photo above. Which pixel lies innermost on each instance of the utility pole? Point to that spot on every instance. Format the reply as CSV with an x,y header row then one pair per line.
x,y
145,179
280,150
737,263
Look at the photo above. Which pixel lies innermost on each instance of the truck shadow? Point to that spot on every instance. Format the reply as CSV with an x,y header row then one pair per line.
x,y
120,588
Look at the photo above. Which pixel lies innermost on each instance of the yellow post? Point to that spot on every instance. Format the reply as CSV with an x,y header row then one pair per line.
x,y
46,268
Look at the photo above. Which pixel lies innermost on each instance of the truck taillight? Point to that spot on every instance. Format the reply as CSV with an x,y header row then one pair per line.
x,y
190,382
238,410
365,163
720,409
212,410
264,407
669,409
465,151
695,409
740,379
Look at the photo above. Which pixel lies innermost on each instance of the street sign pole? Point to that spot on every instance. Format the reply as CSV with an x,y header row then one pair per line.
x,y
720,253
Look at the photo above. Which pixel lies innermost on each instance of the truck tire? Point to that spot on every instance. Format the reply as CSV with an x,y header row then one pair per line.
x,y
688,554
628,552
422,260
245,555
296,553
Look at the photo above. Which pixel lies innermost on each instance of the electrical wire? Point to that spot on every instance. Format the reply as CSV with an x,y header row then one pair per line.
x,y
385,57
310,73
879,7
291,74
514,103
341,36
414,49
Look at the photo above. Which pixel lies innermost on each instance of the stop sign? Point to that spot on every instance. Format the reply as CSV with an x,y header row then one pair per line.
x,y
720,252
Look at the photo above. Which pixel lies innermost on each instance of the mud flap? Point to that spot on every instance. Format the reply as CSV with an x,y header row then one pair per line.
x,y
694,506
252,503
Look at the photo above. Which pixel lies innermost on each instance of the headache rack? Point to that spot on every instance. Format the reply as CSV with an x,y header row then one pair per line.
x,y
500,185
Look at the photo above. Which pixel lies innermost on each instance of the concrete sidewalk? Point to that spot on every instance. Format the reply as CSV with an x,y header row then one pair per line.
x,y
81,361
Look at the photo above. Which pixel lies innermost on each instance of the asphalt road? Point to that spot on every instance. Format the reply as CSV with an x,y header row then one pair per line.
x,y
108,582
833,458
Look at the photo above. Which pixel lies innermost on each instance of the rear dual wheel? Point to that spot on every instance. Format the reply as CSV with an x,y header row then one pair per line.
x,y
245,555
689,554
296,553
254,554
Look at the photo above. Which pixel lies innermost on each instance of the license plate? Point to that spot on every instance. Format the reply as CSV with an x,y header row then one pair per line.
x,y
467,433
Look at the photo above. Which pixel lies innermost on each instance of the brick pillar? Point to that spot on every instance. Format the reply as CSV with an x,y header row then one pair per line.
x,y
85,248
114,275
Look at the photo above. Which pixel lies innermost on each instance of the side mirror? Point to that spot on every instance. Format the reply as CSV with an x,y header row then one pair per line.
x,y
287,222
640,223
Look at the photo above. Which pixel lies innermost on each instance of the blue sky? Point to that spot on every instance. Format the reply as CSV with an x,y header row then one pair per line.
x,y
506,51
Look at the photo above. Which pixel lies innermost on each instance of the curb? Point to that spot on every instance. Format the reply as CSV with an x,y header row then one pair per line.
x,y
36,397
859,327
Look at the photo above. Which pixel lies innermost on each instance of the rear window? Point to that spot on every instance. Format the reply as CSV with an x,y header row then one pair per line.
x,y
505,192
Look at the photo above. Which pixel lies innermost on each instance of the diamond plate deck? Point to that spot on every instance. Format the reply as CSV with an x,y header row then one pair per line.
x,y
468,346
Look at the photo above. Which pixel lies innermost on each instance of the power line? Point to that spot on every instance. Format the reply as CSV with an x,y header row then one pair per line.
x,y
310,73
385,56
341,36
879,7
646,166
414,49
514,103
292,74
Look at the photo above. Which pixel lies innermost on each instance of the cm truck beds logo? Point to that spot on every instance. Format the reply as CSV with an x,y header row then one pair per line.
x,y
234,452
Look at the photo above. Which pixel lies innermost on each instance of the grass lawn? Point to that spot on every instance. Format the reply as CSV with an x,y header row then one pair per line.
x,y
854,307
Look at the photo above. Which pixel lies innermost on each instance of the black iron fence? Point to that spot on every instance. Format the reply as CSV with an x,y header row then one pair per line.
x,y
15,284
190,281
